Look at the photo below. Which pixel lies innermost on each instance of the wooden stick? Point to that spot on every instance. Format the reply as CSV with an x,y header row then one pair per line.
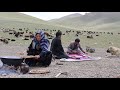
x,y
39,72
30,56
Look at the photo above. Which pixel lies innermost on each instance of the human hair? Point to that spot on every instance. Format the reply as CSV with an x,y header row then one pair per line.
x,y
59,33
77,40
37,33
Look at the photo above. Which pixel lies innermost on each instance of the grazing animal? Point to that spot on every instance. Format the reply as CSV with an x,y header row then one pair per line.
x,y
8,38
27,36
114,50
10,33
26,39
32,36
76,35
5,41
26,31
50,38
17,34
20,29
12,39
90,36
21,35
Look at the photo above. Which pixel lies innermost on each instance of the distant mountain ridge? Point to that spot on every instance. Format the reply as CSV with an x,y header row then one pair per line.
x,y
93,19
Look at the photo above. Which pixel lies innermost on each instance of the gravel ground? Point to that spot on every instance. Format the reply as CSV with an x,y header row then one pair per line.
x,y
104,68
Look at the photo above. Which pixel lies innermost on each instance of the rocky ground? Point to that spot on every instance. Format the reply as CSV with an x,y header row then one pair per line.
x,y
107,67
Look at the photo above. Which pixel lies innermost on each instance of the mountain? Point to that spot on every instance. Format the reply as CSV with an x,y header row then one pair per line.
x,y
90,21
66,17
20,20
15,16
95,21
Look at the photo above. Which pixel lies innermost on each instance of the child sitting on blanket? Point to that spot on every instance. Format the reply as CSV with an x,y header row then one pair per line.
x,y
74,47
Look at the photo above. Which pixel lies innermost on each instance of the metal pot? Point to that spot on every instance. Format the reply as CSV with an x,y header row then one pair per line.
x,y
17,62
12,60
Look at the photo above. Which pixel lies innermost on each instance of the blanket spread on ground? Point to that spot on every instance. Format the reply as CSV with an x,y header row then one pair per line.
x,y
80,57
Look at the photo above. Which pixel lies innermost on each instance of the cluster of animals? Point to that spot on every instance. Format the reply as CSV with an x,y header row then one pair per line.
x,y
16,33
89,34
24,33
4,40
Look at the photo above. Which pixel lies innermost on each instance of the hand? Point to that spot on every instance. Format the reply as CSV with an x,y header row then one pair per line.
x,y
74,51
86,53
65,53
37,56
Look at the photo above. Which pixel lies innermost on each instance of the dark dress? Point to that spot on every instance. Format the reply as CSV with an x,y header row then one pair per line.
x,y
45,57
57,49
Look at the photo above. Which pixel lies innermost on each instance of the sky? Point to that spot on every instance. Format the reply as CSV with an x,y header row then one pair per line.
x,y
50,15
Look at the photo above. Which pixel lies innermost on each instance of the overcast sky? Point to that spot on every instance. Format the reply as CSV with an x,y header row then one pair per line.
x,y
50,15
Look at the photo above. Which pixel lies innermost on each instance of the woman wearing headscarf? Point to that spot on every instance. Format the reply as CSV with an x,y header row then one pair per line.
x,y
39,47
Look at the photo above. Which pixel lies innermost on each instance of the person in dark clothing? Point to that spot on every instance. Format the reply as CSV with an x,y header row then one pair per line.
x,y
39,48
56,47
75,47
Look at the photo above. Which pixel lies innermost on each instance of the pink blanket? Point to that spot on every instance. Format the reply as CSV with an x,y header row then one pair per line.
x,y
81,57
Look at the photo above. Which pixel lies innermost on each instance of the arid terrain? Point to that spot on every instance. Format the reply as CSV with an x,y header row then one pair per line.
x,y
96,30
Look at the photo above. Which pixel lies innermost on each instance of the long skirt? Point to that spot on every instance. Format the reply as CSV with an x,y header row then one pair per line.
x,y
44,60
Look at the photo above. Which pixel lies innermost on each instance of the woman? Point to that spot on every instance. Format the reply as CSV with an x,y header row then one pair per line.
x,y
39,47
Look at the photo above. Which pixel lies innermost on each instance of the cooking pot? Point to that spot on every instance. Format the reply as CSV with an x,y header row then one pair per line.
x,y
12,60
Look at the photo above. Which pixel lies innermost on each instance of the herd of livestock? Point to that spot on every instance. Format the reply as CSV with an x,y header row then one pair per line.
x,y
26,34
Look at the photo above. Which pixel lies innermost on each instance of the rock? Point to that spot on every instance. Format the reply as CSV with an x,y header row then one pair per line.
x,y
59,63
63,73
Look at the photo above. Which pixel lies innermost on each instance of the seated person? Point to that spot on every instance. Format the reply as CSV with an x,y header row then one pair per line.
x,y
39,47
74,47
56,47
